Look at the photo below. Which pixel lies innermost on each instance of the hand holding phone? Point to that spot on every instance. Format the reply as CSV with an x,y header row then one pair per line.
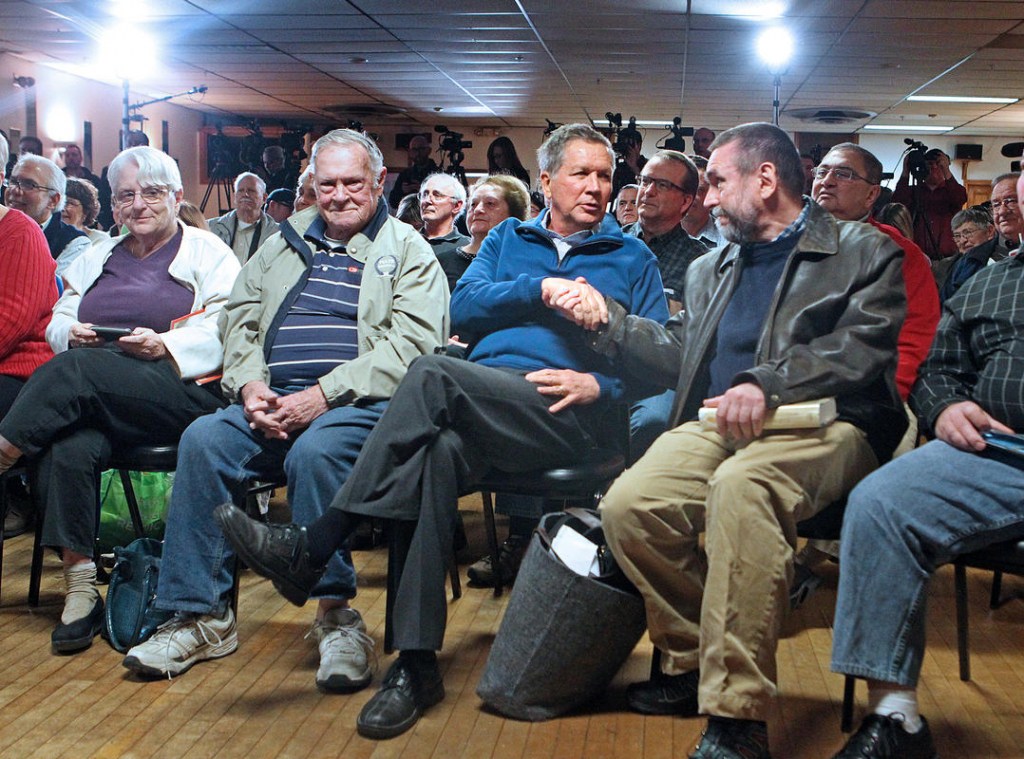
x,y
111,333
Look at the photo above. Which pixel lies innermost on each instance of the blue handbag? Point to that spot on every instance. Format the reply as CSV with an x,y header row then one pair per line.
x,y
130,617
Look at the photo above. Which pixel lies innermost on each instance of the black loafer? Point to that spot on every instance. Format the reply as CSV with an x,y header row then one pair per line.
x,y
69,639
406,692
278,552
883,737
666,694
725,738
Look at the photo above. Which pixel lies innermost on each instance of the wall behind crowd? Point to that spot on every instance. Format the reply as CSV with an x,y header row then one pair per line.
x,y
65,101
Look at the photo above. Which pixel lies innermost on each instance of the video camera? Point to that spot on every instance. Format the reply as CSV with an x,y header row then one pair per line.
x,y
452,142
625,137
917,159
676,141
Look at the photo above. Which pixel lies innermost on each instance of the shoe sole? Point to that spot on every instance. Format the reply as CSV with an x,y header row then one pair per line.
x,y
228,647
343,683
380,732
75,645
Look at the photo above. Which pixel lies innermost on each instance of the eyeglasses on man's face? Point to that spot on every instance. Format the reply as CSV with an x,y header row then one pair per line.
x,y
435,196
27,185
841,174
1007,204
663,185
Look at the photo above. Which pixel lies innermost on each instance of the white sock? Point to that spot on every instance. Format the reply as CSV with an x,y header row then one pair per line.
x,y
81,596
892,700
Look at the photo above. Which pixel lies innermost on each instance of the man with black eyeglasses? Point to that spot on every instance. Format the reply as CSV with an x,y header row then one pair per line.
x,y
668,184
36,188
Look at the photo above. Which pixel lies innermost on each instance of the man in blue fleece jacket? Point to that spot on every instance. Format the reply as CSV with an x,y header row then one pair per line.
x,y
531,395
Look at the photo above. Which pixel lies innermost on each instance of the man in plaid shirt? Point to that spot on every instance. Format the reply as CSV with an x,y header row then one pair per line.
x,y
954,495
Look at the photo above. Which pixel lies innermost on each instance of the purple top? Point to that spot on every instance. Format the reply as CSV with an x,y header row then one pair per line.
x,y
134,293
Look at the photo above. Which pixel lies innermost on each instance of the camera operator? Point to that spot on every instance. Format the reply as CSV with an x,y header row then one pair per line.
x,y
421,166
631,163
932,201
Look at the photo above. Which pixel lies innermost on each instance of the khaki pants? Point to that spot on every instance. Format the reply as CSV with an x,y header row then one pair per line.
x,y
724,618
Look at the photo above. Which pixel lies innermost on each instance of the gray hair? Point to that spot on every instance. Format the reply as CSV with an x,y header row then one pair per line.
x,y
274,150
978,215
306,174
344,138
1011,176
53,176
453,185
759,143
872,166
615,203
156,168
5,152
552,152
259,181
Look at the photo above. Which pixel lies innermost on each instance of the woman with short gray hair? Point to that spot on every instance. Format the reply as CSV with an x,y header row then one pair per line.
x,y
136,339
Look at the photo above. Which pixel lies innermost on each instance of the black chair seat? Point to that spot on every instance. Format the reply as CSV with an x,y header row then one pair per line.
x,y
999,557
600,465
825,525
146,458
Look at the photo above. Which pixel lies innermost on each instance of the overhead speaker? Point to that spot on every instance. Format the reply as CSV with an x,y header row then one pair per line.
x,y
967,152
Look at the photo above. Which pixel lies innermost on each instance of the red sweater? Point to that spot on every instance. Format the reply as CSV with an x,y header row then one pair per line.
x,y
28,290
922,309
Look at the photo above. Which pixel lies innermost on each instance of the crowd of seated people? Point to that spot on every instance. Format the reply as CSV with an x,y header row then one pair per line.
x,y
777,299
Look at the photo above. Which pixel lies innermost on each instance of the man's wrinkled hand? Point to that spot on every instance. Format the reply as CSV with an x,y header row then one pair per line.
x,y
297,411
571,388
143,343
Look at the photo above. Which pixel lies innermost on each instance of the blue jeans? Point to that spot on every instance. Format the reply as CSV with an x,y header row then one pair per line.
x,y
217,457
903,522
648,418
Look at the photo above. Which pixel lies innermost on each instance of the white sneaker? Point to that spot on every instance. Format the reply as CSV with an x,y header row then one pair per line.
x,y
346,651
182,641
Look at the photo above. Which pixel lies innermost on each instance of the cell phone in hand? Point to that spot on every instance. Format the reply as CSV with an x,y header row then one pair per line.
x,y
111,333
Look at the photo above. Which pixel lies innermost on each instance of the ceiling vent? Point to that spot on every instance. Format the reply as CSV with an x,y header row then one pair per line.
x,y
830,115
364,110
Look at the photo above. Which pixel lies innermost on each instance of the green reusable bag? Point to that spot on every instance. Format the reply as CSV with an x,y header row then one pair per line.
x,y
153,492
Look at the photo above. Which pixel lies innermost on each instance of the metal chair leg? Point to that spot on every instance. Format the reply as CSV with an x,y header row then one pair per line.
x,y
962,631
133,503
492,542
994,601
846,722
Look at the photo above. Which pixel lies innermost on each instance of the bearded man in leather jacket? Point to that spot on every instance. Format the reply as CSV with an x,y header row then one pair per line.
x,y
799,306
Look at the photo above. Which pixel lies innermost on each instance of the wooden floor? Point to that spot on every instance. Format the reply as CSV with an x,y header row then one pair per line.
x,y
262,702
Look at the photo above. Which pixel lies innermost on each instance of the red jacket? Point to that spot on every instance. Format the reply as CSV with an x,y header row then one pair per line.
x,y
922,309
28,290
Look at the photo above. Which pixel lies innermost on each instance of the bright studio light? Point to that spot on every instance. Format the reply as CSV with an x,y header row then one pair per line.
x,y
127,52
775,46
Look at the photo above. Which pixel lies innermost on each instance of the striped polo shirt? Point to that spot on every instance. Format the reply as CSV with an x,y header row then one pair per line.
x,y
319,332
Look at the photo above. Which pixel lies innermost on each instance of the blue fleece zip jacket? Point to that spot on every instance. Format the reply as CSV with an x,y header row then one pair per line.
x,y
498,299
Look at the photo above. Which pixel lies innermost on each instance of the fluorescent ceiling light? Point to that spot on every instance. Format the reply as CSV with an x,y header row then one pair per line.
x,y
958,99
654,122
907,128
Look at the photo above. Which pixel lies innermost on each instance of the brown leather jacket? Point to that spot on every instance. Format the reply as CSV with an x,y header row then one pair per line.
x,y
831,329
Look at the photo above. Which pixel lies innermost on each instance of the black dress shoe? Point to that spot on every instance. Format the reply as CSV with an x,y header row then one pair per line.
x,y
883,737
666,694
408,689
279,552
726,738
77,636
